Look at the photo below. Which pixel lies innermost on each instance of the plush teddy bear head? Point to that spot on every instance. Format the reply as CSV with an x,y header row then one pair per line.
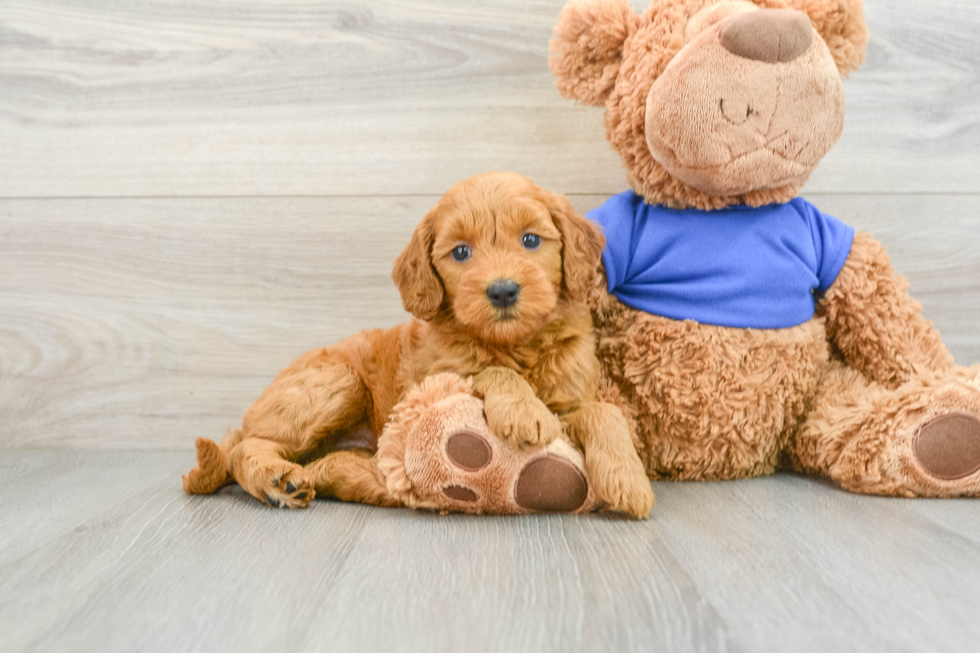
x,y
713,102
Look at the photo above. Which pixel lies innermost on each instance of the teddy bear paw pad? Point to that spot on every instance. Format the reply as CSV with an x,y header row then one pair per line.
x,y
460,493
468,451
551,484
948,447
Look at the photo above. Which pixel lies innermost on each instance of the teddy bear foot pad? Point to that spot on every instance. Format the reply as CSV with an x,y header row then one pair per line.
x,y
548,484
551,484
438,453
948,447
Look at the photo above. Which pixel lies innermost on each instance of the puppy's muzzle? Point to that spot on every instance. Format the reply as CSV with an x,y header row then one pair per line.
x,y
503,293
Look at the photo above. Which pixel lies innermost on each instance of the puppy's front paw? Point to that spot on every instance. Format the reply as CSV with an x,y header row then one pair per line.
x,y
622,485
526,422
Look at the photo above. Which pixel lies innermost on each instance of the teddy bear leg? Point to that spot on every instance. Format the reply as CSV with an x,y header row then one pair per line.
x,y
921,439
439,453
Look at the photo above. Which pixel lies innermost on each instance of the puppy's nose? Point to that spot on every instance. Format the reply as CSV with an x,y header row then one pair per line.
x,y
503,293
769,35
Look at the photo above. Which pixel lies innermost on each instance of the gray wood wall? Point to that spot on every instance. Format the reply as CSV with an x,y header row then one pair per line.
x,y
193,194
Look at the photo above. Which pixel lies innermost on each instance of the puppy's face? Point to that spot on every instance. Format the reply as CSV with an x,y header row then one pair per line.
x,y
496,255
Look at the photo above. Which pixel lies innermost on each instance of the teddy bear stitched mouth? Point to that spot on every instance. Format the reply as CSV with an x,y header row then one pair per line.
x,y
748,113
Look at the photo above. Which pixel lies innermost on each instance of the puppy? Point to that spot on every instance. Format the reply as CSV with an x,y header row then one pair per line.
x,y
495,276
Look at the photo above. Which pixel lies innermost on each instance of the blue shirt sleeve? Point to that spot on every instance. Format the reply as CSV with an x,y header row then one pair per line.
x,y
615,218
831,241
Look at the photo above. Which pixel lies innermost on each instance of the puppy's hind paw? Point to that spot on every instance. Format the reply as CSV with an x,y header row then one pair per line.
x,y
289,489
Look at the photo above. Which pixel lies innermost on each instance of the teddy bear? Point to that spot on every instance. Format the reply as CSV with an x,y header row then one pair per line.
x,y
742,329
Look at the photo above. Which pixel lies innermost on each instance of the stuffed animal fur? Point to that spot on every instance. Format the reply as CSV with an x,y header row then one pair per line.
x,y
720,111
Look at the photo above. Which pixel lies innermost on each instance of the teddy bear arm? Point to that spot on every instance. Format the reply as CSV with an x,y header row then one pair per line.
x,y
878,328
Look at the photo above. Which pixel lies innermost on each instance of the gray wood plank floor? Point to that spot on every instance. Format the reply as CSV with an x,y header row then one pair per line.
x,y
192,194
777,564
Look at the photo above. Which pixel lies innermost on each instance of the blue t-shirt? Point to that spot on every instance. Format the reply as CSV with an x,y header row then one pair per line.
x,y
736,267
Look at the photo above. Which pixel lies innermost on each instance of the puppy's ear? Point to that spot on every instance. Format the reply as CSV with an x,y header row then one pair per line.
x,y
581,246
420,287
841,24
588,47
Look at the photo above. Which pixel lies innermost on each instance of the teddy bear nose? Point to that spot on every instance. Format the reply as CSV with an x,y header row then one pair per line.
x,y
768,35
503,293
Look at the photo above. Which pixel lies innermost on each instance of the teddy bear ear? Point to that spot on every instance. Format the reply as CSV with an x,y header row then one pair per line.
x,y
841,24
587,47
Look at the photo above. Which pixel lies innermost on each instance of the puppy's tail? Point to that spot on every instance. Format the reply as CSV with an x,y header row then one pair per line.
x,y
212,470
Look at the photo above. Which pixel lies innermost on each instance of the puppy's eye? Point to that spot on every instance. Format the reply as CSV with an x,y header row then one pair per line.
x,y
461,253
531,241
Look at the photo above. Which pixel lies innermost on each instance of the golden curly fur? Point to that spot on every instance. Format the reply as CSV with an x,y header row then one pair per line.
x,y
533,362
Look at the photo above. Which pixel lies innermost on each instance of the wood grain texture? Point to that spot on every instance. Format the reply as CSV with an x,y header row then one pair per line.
x,y
53,492
776,564
849,572
147,323
247,97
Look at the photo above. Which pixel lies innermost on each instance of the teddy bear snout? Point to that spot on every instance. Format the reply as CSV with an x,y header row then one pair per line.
x,y
768,35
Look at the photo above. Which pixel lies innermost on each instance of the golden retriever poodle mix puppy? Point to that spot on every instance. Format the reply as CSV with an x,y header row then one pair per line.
x,y
495,276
